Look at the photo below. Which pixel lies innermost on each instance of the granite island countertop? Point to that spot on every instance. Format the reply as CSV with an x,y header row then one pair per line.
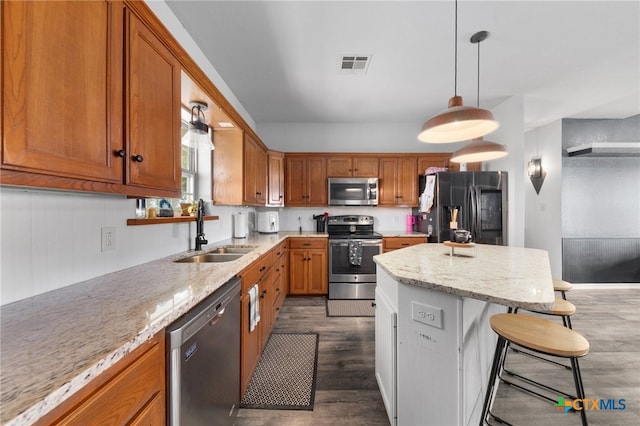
x,y
510,276
55,343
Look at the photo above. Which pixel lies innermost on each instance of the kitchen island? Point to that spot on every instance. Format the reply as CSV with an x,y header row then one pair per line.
x,y
434,345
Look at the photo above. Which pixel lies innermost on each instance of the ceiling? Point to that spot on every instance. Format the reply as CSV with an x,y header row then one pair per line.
x,y
578,59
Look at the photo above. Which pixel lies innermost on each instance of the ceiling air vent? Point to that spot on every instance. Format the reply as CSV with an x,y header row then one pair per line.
x,y
354,64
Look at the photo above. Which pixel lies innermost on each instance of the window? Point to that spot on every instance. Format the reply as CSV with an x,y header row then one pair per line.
x,y
189,163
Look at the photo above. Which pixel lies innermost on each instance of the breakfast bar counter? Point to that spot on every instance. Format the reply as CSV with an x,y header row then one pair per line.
x,y
434,345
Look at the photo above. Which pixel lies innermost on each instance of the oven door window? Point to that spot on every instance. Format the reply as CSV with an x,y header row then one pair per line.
x,y
340,264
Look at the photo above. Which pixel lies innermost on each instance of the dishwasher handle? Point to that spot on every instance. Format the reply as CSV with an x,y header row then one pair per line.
x,y
217,318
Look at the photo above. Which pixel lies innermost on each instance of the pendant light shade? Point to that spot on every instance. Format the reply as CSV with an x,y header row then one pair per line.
x,y
197,135
458,122
479,150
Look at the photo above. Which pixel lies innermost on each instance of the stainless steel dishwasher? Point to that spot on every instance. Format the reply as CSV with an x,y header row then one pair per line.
x,y
203,361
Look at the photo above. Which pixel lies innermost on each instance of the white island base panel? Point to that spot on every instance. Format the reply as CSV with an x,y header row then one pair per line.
x,y
444,351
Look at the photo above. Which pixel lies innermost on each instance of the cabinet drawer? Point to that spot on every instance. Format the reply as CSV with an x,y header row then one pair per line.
x,y
401,242
279,250
308,243
255,272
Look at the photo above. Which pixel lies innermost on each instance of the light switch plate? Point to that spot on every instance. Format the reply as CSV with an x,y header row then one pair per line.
x,y
426,314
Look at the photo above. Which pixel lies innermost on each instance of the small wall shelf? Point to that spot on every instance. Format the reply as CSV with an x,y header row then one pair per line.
x,y
158,220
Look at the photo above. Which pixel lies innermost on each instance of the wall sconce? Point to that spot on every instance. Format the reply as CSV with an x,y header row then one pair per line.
x,y
536,173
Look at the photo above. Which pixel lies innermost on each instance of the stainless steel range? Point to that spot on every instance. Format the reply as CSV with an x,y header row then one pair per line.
x,y
352,245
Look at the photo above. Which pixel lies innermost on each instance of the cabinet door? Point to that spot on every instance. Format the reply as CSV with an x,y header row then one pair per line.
x,y
365,166
318,274
407,184
433,160
339,166
317,181
296,181
261,176
387,183
297,271
275,176
62,88
255,173
153,110
250,345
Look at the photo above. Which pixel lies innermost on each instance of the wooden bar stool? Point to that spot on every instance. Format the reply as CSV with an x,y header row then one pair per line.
x,y
561,308
562,287
538,335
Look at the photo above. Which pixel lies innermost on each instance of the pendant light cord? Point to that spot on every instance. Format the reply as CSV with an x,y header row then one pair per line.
x,y
455,49
478,86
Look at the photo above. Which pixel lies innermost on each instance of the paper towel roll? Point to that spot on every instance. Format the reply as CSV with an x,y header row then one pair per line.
x,y
239,225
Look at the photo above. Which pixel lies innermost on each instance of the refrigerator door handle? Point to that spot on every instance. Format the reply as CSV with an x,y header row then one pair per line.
x,y
472,218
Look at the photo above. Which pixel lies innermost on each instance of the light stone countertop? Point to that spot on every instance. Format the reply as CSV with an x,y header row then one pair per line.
x,y
510,276
402,233
55,343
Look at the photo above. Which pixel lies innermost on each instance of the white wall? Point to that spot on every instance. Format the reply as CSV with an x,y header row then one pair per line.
x,y
543,212
347,137
386,219
52,239
510,114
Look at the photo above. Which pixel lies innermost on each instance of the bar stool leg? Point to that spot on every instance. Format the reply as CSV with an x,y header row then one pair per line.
x,y
577,378
498,357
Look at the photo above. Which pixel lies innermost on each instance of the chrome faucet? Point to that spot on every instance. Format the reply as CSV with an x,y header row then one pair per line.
x,y
200,240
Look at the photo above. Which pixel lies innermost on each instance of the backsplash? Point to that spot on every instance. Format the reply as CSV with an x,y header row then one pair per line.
x,y
52,239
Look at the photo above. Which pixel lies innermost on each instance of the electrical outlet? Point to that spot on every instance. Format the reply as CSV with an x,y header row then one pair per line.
x,y
426,314
108,238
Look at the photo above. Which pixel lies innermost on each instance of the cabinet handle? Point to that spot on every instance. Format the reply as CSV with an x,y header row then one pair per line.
x,y
263,268
137,158
398,196
120,153
404,244
258,193
280,197
306,244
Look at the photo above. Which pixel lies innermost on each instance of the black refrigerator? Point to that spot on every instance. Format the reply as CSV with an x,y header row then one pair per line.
x,y
480,200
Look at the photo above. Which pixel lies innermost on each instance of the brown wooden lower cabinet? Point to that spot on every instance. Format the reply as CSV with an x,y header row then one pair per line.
x,y
308,273
395,243
130,392
266,272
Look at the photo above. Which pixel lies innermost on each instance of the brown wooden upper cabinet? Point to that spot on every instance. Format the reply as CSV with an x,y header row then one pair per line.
x,y
352,166
67,83
239,169
442,160
305,180
275,179
255,172
398,185
153,105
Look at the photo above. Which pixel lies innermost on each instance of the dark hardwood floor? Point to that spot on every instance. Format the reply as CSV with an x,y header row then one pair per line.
x,y
347,392
346,389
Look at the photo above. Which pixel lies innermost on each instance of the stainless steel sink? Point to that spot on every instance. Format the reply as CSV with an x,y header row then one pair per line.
x,y
217,255
232,249
211,258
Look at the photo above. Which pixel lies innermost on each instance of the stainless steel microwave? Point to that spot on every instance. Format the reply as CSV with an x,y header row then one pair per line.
x,y
353,191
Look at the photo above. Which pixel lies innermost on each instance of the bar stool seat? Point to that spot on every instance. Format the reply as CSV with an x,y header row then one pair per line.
x,y
538,335
561,286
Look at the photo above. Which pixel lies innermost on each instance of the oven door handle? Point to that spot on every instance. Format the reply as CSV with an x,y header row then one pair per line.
x,y
346,242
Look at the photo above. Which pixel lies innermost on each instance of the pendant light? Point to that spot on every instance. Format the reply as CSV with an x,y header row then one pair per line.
x,y
458,122
479,149
197,135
